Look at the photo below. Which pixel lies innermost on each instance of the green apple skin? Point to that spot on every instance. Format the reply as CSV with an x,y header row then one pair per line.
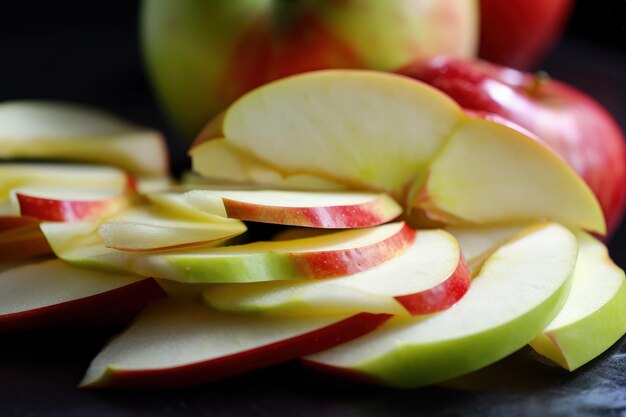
x,y
203,55
577,336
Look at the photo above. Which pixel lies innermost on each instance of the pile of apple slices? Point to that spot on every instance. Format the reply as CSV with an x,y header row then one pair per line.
x,y
412,243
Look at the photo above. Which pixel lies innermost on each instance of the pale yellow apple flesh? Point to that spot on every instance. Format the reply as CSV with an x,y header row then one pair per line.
x,y
594,315
430,276
519,290
64,131
312,209
148,228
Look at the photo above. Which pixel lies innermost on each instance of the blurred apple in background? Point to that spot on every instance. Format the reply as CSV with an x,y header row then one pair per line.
x,y
518,33
203,55
575,125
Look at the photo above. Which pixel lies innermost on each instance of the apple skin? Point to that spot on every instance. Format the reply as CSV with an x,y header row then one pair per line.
x,y
570,122
232,46
60,210
518,33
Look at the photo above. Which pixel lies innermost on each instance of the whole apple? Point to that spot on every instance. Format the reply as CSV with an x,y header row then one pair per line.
x,y
576,126
203,55
518,33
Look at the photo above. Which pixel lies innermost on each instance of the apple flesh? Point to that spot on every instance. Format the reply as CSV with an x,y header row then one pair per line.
x,y
52,292
518,33
218,161
233,46
310,209
573,124
430,276
594,316
328,256
65,131
520,289
149,228
178,343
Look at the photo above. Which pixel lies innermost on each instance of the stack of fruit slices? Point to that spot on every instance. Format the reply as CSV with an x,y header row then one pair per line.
x,y
412,243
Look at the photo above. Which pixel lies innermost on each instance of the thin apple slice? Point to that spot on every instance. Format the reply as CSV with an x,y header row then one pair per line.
x,y
342,125
10,222
332,210
490,173
178,343
90,177
218,161
430,276
52,292
64,131
67,204
23,242
332,255
519,290
594,315
149,228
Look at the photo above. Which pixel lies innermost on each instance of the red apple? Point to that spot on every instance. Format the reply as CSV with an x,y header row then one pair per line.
x,y
518,33
576,126
23,242
203,55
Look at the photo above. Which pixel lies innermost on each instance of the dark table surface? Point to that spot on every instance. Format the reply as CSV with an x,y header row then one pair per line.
x,y
40,369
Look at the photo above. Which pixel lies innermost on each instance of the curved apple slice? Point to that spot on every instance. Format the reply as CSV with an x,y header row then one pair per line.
x,y
344,125
53,292
149,229
66,204
430,276
218,161
64,131
23,242
519,290
334,210
490,173
328,256
178,343
90,177
594,315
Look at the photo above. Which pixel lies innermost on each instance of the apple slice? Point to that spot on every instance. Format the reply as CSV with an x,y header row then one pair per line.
x,y
346,126
53,292
23,242
310,209
218,161
149,228
332,255
64,131
178,343
490,173
10,222
430,276
67,204
594,316
90,177
519,290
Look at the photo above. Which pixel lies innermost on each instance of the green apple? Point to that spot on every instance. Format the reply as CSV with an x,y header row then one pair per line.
x,y
519,290
202,56
451,166
327,210
177,343
65,131
594,316
430,276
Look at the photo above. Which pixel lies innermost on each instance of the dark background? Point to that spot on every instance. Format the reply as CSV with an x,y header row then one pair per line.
x,y
88,52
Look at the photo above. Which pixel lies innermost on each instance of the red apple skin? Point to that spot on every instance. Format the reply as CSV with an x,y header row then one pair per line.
x,y
58,210
27,243
224,367
372,213
442,296
570,122
14,222
518,33
112,307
